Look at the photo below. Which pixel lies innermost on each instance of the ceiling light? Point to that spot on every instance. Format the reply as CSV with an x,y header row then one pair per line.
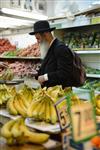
x,y
24,14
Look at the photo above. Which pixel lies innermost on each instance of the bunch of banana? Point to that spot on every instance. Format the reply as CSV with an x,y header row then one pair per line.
x,y
55,92
97,99
75,100
28,94
7,75
42,109
15,131
4,94
16,105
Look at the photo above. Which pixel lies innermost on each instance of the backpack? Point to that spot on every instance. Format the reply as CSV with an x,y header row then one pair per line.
x,y
78,74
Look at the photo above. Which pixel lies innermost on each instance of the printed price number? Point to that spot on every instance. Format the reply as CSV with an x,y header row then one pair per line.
x,y
61,108
83,122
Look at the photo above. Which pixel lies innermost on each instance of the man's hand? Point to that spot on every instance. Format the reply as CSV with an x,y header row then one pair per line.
x,y
41,79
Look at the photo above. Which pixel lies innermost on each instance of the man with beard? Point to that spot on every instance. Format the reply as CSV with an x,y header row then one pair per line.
x,y
56,68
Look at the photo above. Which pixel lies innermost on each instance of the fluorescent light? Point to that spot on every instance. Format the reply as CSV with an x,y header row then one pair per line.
x,y
7,22
25,14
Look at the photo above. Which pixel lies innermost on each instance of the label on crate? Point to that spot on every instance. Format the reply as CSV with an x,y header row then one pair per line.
x,y
83,122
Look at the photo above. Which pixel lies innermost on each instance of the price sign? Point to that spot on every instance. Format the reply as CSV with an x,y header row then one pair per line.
x,y
63,117
61,108
83,122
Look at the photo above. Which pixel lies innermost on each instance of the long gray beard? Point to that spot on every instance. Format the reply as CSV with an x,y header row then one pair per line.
x,y
44,49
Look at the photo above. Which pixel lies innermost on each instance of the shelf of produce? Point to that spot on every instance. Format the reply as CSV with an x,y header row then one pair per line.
x,y
88,52
22,58
93,75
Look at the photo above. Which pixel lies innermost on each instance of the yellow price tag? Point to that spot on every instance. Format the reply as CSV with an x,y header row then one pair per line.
x,y
63,116
83,122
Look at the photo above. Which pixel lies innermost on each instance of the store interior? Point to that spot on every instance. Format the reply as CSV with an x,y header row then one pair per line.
x,y
33,117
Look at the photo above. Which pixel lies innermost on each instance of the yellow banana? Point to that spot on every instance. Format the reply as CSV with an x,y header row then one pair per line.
x,y
47,112
6,129
19,108
32,137
30,110
53,113
41,114
11,108
98,111
36,110
16,132
10,141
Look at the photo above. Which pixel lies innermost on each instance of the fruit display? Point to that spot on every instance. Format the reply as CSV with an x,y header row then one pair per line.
x,y
24,69
6,74
5,94
94,84
30,51
42,108
16,132
90,70
38,104
5,45
97,101
19,103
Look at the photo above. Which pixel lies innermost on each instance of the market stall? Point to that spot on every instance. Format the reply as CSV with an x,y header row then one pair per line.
x,y
33,117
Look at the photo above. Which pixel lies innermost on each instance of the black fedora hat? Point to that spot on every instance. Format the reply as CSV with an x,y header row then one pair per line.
x,y
41,26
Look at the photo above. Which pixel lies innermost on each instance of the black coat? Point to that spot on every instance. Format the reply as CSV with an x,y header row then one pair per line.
x,y
58,65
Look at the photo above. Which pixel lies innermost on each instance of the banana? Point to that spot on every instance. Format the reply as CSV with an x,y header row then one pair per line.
x,y
36,110
11,108
53,113
10,141
97,111
16,132
41,114
19,108
47,112
98,103
32,107
6,129
32,137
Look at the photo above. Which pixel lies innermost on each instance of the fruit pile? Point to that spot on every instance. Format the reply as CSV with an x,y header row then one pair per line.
x,y
30,51
19,103
42,108
5,94
24,69
16,132
97,99
6,74
38,104
5,45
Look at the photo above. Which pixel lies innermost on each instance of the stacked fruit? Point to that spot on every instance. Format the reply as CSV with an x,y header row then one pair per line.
x,y
15,131
98,104
20,101
5,95
6,74
42,108
5,45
